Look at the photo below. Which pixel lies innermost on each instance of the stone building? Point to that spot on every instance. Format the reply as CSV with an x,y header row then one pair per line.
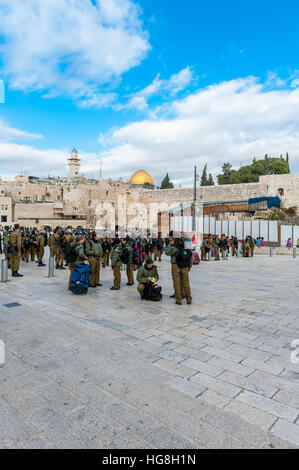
x,y
76,201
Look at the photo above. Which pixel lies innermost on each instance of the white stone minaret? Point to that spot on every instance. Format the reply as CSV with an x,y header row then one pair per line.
x,y
74,165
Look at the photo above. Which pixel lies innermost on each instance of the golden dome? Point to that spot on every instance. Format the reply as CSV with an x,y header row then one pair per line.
x,y
141,177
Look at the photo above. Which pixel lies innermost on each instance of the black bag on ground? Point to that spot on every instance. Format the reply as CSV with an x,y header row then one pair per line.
x,y
153,292
183,258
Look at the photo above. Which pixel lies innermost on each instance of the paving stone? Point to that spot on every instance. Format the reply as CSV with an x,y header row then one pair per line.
x,y
214,398
234,425
52,423
173,356
128,440
185,386
269,368
130,417
248,383
215,384
204,367
267,404
120,361
96,423
164,438
254,416
231,366
287,398
286,430
13,427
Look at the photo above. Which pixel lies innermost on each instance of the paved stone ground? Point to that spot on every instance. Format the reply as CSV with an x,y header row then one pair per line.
x,y
109,371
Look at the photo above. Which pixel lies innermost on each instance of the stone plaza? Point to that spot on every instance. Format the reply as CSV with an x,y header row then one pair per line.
x,y
108,370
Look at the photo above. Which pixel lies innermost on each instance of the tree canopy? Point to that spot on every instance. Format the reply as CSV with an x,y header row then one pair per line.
x,y
251,173
206,180
166,183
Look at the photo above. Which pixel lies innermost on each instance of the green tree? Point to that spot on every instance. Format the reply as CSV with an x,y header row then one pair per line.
x,y
226,174
210,180
204,178
166,183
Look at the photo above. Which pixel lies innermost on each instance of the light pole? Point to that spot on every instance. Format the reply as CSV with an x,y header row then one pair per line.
x,y
194,201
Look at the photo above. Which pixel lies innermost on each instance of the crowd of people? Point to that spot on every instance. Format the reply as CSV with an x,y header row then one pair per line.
x,y
215,245
71,248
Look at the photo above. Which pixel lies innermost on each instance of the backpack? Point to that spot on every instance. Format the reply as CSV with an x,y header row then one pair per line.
x,y
153,292
183,258
125,256
80,279
27,243
70,255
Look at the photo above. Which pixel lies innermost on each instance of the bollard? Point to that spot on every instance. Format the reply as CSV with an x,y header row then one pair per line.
x,y
225,255
123,267
294,252
4,270
271,250
51,266
209,255
238,251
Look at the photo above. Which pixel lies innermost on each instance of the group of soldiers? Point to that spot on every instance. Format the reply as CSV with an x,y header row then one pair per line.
x,y
223,245
23,244
70,248
137,253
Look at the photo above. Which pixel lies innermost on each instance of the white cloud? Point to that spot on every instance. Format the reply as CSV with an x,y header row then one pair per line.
x,y
172,86
229,122
9,133
70,47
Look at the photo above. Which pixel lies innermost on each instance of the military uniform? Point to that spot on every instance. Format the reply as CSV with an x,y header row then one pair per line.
x,y
204,249
246,248
26,247
216,244
130,264
106,246
6,239
94,251
80,258
51,243
40,239
116,265
16,243
143,278
180,276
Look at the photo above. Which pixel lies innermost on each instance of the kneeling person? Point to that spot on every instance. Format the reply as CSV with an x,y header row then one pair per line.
x,y
146,275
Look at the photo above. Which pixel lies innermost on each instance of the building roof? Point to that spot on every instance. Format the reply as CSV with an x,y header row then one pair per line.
x,y
141,177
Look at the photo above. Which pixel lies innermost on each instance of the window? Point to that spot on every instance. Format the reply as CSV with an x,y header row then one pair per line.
x,y
281,191
3,218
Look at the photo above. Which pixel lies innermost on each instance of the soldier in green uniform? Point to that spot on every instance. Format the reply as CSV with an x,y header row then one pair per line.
x,y
204,247
26,246
252,245
6,239
146,275
216,245
246,247
129,246
116,253
15,243
94,251
180,268
40,240
106,246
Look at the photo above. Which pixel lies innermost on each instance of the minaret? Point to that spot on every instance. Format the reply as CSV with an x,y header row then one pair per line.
x,y
74,165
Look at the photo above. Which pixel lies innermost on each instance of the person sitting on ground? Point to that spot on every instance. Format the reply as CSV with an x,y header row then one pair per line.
x,y
146,275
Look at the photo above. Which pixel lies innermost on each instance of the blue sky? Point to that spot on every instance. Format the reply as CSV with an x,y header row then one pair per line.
x,y
155,84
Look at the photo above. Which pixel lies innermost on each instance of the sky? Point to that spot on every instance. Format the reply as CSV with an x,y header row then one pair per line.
x,y
161,85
